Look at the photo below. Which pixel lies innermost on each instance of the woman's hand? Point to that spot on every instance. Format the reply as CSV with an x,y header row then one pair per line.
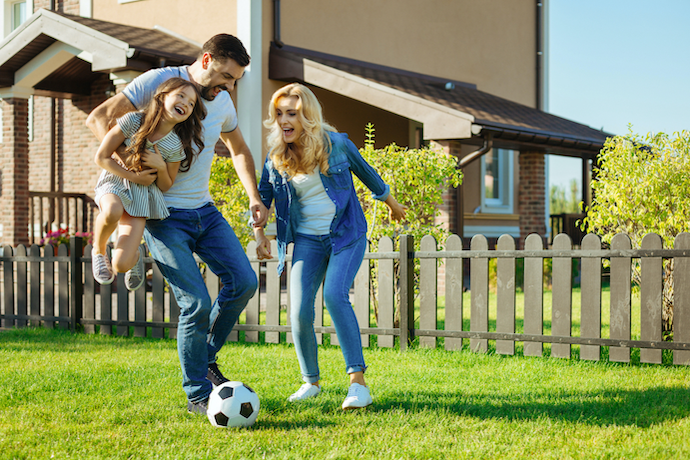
x,y
396,211
263,245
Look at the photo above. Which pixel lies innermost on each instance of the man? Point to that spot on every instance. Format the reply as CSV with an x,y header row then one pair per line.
x,y
195,225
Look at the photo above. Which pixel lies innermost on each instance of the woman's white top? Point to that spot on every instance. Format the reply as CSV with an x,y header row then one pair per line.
x,y
317,208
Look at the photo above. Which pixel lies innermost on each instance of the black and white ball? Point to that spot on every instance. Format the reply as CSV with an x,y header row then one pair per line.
x,y
233,404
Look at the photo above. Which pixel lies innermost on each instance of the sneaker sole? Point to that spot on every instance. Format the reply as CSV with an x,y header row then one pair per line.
x,y
357,407
104,283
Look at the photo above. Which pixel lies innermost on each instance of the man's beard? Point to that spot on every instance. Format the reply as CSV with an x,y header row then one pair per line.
x,y
207,92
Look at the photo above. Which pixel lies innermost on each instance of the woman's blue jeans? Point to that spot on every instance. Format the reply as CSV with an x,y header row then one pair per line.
x,y
312,261
203,325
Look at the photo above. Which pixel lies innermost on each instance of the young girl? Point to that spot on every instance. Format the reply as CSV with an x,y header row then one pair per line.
x,y
129,195
308,175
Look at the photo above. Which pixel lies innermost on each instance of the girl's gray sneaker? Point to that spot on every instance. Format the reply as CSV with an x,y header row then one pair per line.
x,y
100,266
135,276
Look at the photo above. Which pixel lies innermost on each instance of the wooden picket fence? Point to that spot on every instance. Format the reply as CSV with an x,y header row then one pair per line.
x,y
53,287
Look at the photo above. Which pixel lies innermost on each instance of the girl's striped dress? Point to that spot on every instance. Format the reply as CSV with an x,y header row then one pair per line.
x,y
140,200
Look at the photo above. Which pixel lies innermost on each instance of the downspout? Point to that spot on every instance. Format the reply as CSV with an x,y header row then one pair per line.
x,y
460,192
467,159
276,24
539,56
53,135
53,151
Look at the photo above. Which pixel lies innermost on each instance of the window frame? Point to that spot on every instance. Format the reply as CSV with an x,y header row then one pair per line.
x,y
506,172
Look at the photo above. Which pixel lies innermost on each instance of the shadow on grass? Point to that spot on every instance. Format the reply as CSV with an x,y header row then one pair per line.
x,y
642,408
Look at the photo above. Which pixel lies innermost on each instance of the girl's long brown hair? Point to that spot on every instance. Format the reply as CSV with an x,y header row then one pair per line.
x,y
189,131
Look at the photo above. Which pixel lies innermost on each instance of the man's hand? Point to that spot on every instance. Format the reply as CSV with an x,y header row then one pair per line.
x,y
145,177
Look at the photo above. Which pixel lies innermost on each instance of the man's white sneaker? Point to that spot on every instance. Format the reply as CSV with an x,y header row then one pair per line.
x,y
358,396
306,391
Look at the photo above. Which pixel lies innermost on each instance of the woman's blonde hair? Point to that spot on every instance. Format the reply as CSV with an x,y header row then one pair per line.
x,y
314,140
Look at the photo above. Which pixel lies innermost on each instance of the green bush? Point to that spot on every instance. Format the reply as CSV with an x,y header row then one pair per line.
x,y
642,185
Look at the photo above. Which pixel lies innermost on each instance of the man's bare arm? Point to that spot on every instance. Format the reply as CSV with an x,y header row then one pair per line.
x,y
103,117
244,165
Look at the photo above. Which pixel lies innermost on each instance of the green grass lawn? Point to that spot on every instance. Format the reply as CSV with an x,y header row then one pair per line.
x,y
89,396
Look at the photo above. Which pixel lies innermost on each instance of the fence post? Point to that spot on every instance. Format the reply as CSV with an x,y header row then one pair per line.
x,y
621,272
454,283
428,284
76,248
505,295
8,283
479,294
406,291
534,295
385,318
562,296
651,298
590,311
681,300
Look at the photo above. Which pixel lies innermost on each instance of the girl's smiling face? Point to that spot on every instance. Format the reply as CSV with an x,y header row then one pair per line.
x,y
287,117
180,103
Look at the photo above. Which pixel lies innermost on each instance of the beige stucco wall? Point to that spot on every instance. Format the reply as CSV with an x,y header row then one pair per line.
x,y
490,43
197,20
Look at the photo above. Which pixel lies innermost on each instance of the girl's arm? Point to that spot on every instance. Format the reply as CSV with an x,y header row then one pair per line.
x,y
166,171
104,159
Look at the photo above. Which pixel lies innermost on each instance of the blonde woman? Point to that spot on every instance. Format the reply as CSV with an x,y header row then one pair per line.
x,y
307,175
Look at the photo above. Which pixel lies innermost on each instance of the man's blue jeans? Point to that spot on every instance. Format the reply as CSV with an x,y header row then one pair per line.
x,y
203,326
312,260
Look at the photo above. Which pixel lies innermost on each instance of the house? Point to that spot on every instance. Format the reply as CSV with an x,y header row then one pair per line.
x,y
465,75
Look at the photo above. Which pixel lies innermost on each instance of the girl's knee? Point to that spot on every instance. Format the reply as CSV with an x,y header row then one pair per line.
x,y
111,209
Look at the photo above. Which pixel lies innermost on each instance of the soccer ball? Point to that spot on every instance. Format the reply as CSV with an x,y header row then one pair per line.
x,y
233,404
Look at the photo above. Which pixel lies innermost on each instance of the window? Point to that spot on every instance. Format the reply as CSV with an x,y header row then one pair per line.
x,y
497,181
18,14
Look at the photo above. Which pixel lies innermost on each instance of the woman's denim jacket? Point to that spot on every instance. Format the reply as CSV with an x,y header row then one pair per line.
x,y
348,223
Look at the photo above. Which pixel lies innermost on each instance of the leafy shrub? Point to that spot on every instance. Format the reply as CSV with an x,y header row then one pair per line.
x,y
642,185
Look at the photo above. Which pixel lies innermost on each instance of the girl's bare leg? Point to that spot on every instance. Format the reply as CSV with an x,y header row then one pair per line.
x,y
126,252
107,220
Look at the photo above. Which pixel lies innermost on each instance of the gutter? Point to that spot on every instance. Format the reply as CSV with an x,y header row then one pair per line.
x,y
467,159
539,54
276,24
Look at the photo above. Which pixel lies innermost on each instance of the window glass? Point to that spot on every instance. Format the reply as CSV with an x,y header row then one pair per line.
x,y
492,182
18,14
497,181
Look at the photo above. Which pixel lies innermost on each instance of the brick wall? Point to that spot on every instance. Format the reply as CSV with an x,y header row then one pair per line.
x,y
14,172
531,195
75,145
63,6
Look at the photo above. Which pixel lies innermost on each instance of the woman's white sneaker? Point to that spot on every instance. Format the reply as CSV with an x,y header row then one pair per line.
x,y
306,391
358,396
